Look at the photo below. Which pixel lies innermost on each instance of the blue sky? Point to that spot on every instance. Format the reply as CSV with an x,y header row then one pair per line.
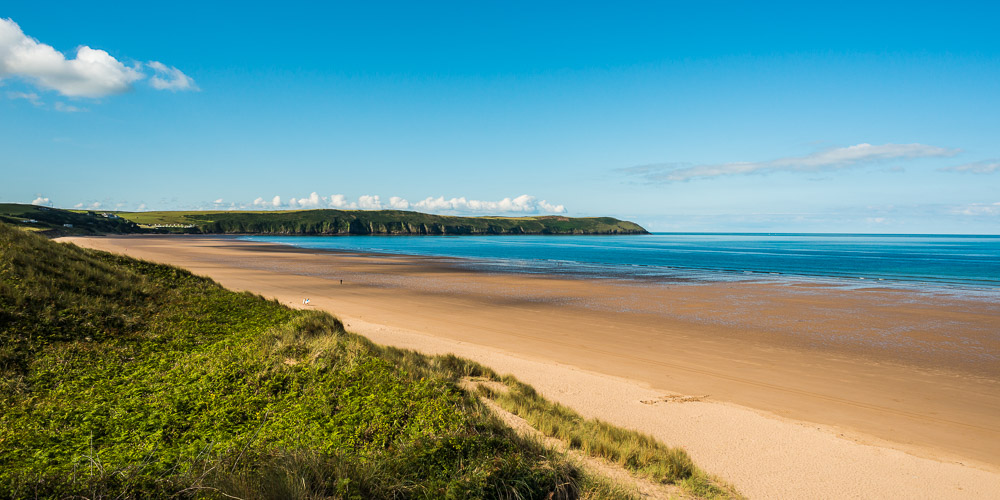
x,y
682,116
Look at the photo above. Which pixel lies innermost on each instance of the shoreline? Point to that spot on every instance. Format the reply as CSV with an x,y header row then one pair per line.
x,y
878,423
801,293
653,273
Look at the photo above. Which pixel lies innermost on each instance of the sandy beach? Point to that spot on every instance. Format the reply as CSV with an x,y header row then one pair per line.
x,y
786,391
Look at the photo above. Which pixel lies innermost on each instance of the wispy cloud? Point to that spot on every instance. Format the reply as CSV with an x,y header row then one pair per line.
x,y
66,108
519,204
27,96
36,100
169,78
980,209
92,73
977,167
831,159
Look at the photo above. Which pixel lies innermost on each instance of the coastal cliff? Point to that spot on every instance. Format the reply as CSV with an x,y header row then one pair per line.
x,y
54,221
394,222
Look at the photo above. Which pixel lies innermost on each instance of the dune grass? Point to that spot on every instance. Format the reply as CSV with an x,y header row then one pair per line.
x,y
125,379
639,453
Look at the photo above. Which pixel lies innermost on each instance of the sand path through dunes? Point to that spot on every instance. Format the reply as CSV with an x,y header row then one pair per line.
x,y
788,393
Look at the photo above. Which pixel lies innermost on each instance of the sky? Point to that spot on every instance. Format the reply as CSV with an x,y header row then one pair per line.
x,y
681,116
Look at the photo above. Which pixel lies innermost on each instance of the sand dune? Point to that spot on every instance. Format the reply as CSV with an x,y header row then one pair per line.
x,y
786,391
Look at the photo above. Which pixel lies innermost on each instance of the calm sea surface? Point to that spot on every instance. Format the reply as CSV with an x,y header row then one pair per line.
x,y
909,261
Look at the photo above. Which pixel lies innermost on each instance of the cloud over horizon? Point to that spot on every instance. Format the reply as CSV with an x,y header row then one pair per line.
x,y
42,201
93,73
977,167
520,204
831,159
978,209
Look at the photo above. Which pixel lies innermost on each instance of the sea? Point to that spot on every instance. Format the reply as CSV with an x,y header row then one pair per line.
x,y
953,263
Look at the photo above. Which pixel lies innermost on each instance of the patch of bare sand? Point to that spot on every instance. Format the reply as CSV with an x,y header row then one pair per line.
x,y
887,428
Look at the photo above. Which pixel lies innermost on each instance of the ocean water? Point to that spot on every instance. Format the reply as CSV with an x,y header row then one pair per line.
x,y
911,261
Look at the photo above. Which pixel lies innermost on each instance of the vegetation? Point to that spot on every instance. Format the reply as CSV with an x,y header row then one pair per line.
x,y
53,221
636,452
122,378
318,222
300,222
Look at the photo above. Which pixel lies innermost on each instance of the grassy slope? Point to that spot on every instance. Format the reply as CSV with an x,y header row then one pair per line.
x,y
124,378
51,220
121,376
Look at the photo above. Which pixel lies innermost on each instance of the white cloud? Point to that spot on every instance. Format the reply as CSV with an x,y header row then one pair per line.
x,y
340,201
520,204
142,207
218,201
367,202
548,207
169,78
313,201
976,167
42,201
831,159
978,209
92,73
398,203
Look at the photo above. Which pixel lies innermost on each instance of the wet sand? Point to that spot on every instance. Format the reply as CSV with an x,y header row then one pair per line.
x,y
786,391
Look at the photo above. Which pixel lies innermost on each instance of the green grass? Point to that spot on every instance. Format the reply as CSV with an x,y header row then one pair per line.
x,y
122,378
52,220
376,222
311,222
126,379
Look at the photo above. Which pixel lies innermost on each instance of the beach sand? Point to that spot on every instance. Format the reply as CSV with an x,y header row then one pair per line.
x,y
794,391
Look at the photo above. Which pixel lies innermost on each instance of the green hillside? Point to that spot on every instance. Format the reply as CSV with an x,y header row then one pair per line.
x,y
54,221
317,222
311,222
124,377
121,378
